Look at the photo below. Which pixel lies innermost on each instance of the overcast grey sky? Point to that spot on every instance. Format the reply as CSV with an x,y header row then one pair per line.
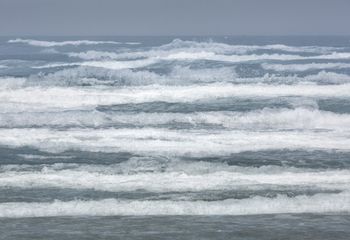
x,y
174,17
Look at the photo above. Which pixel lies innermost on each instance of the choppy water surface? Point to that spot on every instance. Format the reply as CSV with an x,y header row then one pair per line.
x,y
163,138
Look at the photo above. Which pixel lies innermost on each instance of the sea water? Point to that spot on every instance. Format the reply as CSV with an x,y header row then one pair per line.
x,y
175,138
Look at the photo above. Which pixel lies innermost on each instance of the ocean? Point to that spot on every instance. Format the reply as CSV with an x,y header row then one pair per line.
x,y
175,138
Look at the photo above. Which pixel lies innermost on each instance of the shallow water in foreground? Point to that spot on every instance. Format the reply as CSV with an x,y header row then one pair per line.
x,y
263,227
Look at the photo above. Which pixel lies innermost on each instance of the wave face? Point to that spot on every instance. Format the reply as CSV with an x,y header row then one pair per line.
x,y
160,126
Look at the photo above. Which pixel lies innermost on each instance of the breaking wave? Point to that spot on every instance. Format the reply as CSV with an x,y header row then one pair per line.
x,y
70,98
170,175
320,203
299,118
202,55
192,47
155,141
87,76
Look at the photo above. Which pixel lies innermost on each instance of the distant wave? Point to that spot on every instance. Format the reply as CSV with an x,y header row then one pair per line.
x,y
209,50
202,55
115,65
110,60
63,43
242,49
305,66
319,203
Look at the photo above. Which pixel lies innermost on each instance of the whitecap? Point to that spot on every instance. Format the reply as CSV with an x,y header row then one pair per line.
x,y
319,203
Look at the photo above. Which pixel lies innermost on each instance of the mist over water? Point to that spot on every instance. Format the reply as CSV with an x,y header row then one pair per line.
x,y
121,129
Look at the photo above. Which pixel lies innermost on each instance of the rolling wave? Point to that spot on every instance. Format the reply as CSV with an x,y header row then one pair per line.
x,y
299,118
165,176
90,76
227,48
320,203
60,97
193,47
155,141
188,56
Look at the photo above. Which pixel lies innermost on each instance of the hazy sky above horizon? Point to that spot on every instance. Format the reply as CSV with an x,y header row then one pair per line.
x,y
174,17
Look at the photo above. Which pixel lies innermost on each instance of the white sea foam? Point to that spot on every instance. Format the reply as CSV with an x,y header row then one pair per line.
x,y
182,56
168,176
114,65
11,82
119,64
161,165
98,76
193,47
177,76
63,43
320,203
242,49
56,65
204,55
321,77
187,55
95,55
155,141
252,57
304,67
299,118
31,156
191,50
56,97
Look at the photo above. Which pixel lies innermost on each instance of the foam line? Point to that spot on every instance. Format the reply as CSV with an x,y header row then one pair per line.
x,y
319,203
124,77
190,56
252,57
83,76
241,49
299,118
57,97
117,61
114,65
176,176
192,51
178,46
173,142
